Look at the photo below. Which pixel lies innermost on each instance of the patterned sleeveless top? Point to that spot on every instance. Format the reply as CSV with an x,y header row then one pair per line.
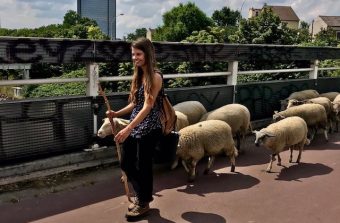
x,y
151,121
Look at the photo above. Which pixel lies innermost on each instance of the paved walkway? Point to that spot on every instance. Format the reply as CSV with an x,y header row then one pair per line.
x,y
307,192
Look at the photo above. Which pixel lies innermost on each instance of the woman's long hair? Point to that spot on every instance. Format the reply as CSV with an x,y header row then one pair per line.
x,y
146,46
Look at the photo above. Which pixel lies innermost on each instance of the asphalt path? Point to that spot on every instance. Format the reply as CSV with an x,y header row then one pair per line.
x,y
304,192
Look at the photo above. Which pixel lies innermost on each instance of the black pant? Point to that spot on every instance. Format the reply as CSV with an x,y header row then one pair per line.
x,y
136,162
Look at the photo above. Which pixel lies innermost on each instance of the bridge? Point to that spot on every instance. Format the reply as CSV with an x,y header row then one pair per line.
x,y
52,127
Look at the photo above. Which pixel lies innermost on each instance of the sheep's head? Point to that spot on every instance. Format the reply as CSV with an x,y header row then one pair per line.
x,y
277,116
105,129
261,136
294,102
284,104
336,108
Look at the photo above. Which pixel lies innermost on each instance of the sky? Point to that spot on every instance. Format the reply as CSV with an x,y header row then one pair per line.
x,y
16,14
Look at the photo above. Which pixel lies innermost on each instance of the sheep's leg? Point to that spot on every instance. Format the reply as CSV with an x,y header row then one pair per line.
x,y
313,131
210,162
272,159
330,126
184,163
232,161
300,152
175,163
192,172
278,159
238,139
326,135
291,154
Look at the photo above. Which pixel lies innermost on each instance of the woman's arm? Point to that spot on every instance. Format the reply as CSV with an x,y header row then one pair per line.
x,y
122,112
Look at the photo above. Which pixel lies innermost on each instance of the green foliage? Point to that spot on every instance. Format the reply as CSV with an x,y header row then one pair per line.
x,y
94,32
304,25
73,26
326,37
211,35
125,69
138,33
329,63
66,89
264,29
180,22
72,18
226,17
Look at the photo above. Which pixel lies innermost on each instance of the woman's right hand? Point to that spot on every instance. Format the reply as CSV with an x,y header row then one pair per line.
x,y
111,114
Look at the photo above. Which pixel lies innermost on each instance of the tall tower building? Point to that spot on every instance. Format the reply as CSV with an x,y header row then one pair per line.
x,y
103,11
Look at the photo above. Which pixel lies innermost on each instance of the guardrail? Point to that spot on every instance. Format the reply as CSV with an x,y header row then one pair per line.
x,y
62,117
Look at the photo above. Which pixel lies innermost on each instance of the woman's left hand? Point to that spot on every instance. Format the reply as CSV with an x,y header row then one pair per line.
x,y
123,134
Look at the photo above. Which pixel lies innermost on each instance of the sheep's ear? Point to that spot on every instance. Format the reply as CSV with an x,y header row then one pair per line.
x,y
270,134
275,112
254,131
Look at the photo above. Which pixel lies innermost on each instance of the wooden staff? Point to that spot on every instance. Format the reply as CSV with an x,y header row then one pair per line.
x,y
124,178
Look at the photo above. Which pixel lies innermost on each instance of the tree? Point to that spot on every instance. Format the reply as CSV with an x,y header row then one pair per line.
x,y
138,33
180,22
326,37
226,17
72,18
304,25
266,28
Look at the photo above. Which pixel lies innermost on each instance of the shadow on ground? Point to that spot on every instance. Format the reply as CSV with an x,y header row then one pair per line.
x,y
303,170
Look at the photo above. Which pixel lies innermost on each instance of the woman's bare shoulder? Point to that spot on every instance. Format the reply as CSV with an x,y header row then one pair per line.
x,y
158,77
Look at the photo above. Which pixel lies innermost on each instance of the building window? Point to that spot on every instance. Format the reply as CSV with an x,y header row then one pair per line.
x,y
338,35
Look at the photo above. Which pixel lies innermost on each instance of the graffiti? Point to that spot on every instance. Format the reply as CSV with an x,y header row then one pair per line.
x,y
43,50
263,99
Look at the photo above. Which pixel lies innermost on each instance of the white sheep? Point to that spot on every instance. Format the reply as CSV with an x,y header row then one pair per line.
x,y
325,102
336,109
236,115
206,138
330,95
299,95
182,120
192,109
314,115
289,133
105,129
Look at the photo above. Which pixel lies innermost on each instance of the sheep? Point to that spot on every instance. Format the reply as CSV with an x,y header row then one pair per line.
x,y
325,102
192,109
236,115
299,95
206,138
314,115
182,120
330,95
106,130
289,132
336,109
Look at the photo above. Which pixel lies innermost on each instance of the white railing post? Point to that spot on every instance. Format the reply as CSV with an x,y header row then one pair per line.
x,y
313,74
232,78
92,73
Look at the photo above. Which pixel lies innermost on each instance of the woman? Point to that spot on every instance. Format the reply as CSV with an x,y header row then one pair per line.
x,y
140,137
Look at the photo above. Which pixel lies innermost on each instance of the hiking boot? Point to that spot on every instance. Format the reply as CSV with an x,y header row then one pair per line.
x,y
133,203
138,211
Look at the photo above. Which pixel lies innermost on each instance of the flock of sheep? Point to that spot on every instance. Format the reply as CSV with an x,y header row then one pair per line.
x,y
207,134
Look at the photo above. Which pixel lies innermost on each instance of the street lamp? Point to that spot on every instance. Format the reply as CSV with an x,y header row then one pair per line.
x,y
114,19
